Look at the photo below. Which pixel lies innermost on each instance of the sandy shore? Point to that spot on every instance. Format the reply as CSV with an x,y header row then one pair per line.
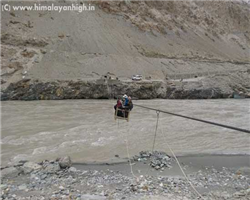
x,y
191,164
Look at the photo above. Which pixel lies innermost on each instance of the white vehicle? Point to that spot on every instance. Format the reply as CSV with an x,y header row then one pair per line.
x,y
137,77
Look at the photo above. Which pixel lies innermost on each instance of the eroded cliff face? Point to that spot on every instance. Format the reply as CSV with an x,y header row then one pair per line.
x,y
216,86
101,89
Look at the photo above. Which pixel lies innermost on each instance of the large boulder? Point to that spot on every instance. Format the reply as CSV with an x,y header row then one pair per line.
x,y
28,167
65,162
10,172
52,168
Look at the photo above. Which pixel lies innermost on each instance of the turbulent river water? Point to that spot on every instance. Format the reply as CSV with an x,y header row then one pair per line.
x,y
86,129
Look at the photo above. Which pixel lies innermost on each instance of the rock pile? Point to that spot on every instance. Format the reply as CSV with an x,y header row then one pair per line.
x,y
158,159
25,167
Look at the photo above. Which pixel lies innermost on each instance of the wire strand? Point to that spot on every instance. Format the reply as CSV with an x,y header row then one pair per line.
x,y
196,119
184,174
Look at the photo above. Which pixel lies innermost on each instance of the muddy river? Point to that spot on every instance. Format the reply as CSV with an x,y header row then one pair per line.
x,y
86,129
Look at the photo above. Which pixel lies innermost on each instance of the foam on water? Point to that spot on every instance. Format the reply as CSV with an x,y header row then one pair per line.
x,y
40,150
102,141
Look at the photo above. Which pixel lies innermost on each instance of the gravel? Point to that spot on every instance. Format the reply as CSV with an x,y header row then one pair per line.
x,y
47,181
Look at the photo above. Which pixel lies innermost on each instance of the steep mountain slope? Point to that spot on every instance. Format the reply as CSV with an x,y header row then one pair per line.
x,y
156,39
204,29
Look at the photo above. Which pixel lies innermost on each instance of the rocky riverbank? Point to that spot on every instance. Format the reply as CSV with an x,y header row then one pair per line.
x,y
58,179
216,86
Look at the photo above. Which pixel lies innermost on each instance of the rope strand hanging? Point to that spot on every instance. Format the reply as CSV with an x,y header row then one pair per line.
x,y
178,163
156,127
127,149
164,136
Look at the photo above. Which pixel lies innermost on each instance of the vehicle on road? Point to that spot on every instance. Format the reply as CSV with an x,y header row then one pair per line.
x,y
137,77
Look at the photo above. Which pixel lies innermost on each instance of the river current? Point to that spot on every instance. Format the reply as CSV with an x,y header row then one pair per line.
x,y
86,129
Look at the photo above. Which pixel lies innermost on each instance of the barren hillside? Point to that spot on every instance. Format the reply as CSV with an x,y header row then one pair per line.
x,y
160,40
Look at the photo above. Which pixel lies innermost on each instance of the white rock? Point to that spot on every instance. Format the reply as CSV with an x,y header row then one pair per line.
x,y
30,166
61,187
22,187
72,169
